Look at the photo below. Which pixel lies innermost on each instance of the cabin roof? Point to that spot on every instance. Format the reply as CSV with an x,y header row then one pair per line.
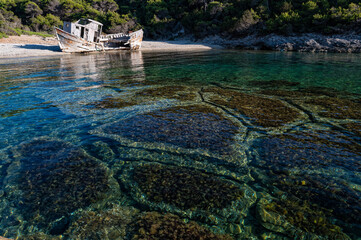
x,y
85,21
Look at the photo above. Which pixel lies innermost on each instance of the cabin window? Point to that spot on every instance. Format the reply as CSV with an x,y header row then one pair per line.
x,y
77,27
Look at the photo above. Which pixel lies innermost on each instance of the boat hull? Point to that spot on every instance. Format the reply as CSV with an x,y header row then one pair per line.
x,y
72,44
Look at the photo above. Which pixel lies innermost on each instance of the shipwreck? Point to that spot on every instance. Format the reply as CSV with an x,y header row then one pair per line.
x,y
85,35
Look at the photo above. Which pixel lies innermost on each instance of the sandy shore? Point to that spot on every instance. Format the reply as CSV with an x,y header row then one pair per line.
x,y
32,46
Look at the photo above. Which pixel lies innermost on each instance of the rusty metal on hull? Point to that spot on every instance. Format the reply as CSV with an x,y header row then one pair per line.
x,y
71,43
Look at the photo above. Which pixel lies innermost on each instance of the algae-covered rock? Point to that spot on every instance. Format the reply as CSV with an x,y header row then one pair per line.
x,y
185,188
326,191
39,236
318,166
153,225
189,127
304,92
286,93
338,108
49,179
309,150
173,92
188,192
113,103
261,111
108,224
272,83
354,127
297,219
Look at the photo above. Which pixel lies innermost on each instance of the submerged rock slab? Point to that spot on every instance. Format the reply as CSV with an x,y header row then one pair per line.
x,y
297,219
153,225
272,83
112,103
261,111
319,166
337,108
179,92
309,150
331,193
108,224
354,127
189,127
49,179
188,192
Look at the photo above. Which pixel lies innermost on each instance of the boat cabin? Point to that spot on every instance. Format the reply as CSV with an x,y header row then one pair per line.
x,y
86,29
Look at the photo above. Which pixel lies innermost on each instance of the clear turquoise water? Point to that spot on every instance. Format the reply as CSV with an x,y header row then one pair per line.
x,y
253,145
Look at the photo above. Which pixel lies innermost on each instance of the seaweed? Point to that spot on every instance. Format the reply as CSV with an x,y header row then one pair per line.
x,y
56,178
312,150
297,219
173,92
185,188
325,191
105,224
262,111
273,83
153,225
194,127
112,102
354,127
338,108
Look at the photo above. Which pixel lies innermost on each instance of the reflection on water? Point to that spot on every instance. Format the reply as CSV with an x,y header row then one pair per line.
x,y
196,145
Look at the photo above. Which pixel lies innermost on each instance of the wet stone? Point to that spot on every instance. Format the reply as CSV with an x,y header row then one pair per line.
x,y
173,92
185,188
153,225
39,236
309,150
286,93
303,92
112,102
273,83
354,127
192,127
261,111
331,193
50,179
337,108
187,191
297,219
105,224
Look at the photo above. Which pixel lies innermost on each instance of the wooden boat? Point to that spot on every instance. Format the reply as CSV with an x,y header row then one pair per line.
x,y
85,35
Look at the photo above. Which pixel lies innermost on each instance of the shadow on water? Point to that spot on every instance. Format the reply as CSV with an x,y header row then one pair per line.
x,y
53,48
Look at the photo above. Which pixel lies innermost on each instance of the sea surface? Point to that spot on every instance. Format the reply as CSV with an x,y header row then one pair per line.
x,y
181,145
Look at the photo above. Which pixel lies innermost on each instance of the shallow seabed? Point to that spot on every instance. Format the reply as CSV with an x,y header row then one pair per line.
x,y
170,145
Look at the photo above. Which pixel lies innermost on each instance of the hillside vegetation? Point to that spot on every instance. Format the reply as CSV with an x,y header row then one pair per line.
x,y
199,18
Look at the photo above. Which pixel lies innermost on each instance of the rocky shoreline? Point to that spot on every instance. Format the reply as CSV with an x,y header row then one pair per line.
x,y
299,43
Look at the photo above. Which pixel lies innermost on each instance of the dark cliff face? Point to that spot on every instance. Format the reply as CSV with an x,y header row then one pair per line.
x,y
198,18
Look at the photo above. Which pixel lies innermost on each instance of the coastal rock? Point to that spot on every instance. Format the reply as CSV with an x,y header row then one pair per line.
x,y
309,150
196,128
172,92
338,108
320,167
262,111
298,220
309,42
188,192
108,224
153,225
49,179
336,195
